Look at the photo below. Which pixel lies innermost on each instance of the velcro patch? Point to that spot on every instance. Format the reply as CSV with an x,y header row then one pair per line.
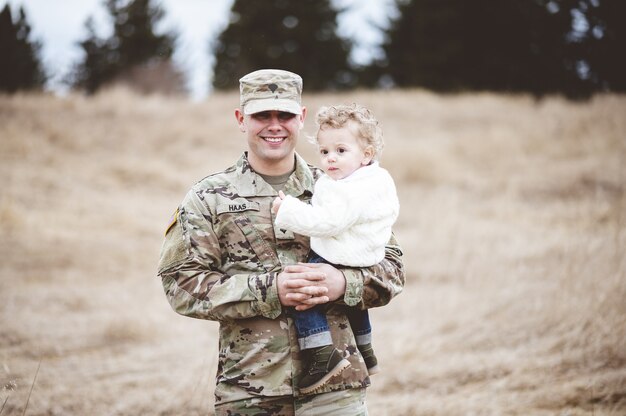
x,y
172,221
238,205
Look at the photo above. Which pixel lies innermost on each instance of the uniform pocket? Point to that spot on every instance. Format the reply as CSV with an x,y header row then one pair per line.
x,y
264,252
246,234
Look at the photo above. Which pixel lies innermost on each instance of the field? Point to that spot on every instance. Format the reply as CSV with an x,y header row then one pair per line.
x,y
513,225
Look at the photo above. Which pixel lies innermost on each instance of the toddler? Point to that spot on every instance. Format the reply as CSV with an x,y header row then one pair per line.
x,y
349,220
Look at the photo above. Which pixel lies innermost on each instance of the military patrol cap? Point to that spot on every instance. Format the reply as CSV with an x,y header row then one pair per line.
x,y
271,89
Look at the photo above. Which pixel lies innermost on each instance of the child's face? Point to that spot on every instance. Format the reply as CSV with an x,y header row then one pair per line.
x,y
341,152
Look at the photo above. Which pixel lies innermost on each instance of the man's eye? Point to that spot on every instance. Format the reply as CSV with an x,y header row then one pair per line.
x,y
284,116
260,116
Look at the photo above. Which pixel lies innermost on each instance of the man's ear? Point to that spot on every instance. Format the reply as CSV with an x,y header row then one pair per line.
x,y
302,117
239,116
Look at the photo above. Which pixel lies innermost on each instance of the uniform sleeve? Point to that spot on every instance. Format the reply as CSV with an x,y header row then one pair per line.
x,y
189,268
374,286
323,220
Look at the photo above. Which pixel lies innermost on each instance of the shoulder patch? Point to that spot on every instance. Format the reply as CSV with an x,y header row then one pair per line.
x,y
172,221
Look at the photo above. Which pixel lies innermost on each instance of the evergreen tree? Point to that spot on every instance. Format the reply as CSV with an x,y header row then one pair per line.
x,y
134,32
604,43
298,36
132,44
21,67
502,45
423,45
99,63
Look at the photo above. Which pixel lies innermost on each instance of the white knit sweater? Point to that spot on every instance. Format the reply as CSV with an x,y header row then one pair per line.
x,y
349,220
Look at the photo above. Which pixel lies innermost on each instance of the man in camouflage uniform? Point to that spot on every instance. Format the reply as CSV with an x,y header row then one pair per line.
x,y
224,260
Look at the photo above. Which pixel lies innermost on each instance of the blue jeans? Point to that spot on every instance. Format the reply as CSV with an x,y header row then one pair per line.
x,y
312,327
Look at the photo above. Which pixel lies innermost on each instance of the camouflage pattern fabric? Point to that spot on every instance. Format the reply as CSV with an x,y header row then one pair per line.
x,y
338,403
270,89
220,260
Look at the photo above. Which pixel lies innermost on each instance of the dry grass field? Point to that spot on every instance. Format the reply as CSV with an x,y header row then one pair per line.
x,y
513,225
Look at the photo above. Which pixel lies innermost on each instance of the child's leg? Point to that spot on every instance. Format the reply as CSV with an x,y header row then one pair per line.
x,y
362,329
315,258
360,324
312,328
322,361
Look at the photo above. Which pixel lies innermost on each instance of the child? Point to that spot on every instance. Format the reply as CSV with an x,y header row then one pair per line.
x,y
349,221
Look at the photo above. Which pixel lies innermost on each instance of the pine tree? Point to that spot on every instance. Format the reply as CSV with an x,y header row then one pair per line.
x,y
134,32
604,43
423,46
21,67
133,47
502,45
99,63
298,36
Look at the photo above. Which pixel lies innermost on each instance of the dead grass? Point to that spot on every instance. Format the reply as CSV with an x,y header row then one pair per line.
x,y
513,224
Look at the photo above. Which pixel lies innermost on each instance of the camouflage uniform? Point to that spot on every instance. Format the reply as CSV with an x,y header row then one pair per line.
x,y
348,402
220,260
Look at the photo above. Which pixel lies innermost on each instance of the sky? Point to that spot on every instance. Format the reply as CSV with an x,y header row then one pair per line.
x,y
59,25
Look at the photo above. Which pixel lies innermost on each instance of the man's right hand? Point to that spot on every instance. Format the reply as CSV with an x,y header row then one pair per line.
x,y
301,287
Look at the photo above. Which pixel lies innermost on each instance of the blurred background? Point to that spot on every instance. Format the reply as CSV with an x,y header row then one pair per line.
x,y
505,132
574,47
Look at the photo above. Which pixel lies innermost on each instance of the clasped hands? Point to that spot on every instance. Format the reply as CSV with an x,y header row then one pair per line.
x,y
305,285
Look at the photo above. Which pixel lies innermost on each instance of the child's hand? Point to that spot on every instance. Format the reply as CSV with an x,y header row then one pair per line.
x,y
278,201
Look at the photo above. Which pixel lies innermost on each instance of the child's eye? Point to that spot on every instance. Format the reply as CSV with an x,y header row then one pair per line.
x,y
324,152
341,150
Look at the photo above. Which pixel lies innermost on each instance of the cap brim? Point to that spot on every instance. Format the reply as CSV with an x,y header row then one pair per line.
x,y
272,104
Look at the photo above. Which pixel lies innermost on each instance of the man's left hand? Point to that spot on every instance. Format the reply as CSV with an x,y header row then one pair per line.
x,y
334,281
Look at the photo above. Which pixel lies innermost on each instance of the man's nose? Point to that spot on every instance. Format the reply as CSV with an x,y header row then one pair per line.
x,y
275,122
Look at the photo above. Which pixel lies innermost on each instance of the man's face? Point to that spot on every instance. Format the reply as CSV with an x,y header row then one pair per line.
x,y
272,137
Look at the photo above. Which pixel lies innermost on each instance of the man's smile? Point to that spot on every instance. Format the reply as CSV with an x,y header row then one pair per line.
x,y
273,139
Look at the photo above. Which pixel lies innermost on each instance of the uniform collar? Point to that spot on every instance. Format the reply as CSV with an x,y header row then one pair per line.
x,y
252,184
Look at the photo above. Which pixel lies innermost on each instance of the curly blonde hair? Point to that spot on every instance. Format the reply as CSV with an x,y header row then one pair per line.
x,y
368,128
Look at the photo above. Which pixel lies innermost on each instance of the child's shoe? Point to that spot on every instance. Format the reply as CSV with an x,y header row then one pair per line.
x,y
367,352
324,363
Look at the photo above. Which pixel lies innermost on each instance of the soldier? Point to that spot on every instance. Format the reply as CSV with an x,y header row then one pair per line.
x,y
223,259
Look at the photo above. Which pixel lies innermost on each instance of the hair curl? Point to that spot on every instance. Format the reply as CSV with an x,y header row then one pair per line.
x,y
368,128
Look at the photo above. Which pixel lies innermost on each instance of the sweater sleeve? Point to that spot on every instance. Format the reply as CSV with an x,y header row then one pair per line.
x,y
323,220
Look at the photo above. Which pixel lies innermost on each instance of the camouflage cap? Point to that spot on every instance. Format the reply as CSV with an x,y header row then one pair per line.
x,y
271,89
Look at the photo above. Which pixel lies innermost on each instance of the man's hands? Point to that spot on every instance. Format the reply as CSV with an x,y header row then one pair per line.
x,y
305,285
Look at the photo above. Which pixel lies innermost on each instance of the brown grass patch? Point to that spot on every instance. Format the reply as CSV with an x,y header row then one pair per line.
x,y
513,223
